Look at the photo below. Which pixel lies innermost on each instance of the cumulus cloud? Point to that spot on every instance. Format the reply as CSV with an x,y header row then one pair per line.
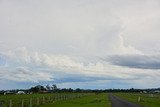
x,y
59,61
136,61
23,74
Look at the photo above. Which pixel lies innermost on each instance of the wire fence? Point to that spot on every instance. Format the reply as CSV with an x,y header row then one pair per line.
x,y
36,102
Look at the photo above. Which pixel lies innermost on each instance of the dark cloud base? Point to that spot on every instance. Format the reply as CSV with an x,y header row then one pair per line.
x,y
135,61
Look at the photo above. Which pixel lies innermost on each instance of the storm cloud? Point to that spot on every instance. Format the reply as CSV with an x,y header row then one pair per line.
x,y
136,61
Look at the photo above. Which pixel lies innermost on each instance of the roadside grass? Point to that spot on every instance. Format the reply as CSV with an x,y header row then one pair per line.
x,y
58,100
96,100
17,99
146,100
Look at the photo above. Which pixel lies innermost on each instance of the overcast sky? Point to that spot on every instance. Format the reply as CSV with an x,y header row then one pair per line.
x,y
80,43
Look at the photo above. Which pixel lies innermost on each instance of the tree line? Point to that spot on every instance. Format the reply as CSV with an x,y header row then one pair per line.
x,y
54,89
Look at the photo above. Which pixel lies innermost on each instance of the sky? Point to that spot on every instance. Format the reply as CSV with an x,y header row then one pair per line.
x,y
89,44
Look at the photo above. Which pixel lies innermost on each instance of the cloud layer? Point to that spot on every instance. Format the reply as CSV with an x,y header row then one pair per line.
x,y
23,65
80,43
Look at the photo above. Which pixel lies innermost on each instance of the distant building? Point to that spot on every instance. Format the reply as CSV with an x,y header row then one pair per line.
x,y
144,92
20,92
8,92
157,91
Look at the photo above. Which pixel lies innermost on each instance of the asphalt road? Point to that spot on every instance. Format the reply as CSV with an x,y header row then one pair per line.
x,y
118,102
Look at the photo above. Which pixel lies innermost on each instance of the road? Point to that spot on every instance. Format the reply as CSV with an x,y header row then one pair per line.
x,y
118,102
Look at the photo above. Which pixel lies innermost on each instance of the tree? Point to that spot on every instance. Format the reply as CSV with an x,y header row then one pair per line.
x,y
48,87
37,88
54,87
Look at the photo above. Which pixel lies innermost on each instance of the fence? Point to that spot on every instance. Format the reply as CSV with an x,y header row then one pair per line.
x,y
36,102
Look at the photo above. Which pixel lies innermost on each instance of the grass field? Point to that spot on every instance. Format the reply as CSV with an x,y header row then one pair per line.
x,y
96,100
56,100
76,100
146,100
38,99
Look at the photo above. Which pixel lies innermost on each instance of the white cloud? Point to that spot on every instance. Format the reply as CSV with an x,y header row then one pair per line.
x,y
127,49
70,36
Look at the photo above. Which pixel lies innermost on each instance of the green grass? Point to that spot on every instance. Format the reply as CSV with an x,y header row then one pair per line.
x,y
95,100
147,100
47,98
58,100
17,99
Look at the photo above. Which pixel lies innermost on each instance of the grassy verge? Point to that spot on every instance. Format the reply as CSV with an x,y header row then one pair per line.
x,y
37,99
95,100
146,100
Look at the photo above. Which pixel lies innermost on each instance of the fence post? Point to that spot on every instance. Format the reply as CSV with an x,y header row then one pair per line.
x,y
10,103
30,104
37,101
139,99
43,100
22,103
